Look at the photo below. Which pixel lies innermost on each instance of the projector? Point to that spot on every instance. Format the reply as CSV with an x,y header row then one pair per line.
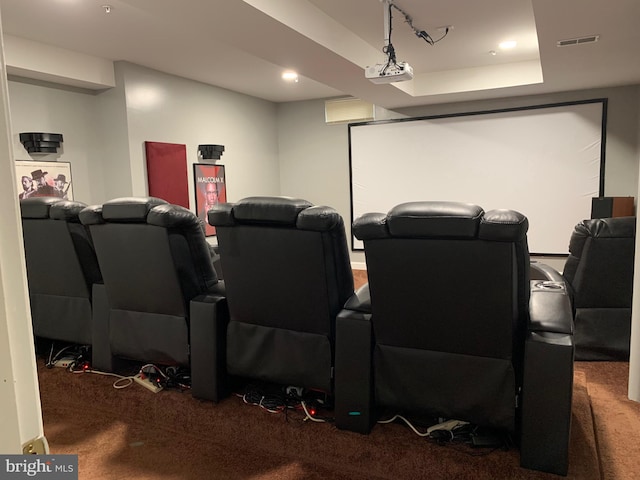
x,y
400,72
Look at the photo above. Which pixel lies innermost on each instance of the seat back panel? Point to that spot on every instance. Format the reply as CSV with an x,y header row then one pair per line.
x,y
455,296
276,277
138,268
279,355
449,385
53,267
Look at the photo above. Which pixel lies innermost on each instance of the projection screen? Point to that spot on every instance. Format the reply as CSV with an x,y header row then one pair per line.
x,y
545,161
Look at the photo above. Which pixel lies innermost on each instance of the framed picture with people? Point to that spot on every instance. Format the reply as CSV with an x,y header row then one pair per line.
x,y
210,189
44,179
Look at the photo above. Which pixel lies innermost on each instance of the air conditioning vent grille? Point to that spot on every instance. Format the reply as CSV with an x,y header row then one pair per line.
x,y
578,41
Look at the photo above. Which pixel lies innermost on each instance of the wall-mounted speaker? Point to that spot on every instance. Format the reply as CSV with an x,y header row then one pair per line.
x,y
210,152
37,142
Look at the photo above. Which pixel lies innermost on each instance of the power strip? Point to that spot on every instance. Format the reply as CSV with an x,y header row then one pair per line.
x,y
143,380
447,425
64,362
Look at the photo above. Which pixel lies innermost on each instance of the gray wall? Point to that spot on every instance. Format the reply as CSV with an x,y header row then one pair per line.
x,y
104,133
270,149
37,107
113,131
166,108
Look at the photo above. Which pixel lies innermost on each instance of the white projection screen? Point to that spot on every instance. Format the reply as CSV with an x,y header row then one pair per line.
x,y
546,162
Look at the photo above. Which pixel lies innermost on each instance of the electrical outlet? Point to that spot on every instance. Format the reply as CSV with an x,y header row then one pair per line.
x,y
143,380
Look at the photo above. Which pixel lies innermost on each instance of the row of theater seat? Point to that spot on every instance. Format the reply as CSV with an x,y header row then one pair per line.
x,y
449,324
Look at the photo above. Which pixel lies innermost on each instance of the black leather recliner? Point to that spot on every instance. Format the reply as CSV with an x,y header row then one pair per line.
x,y
166,305
599,274
61,269
450,326
287,275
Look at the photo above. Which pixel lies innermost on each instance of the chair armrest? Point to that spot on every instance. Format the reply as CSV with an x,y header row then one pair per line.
x,y
547,384
360,301
550,308
353,386
209,317
542,271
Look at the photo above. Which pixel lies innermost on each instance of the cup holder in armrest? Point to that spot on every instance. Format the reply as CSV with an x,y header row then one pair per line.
x,y
548,286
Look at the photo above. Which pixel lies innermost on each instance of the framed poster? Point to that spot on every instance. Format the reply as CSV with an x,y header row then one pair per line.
x,y
210,188
44,179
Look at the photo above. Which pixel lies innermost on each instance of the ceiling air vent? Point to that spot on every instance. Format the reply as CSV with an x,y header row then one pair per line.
x,y
578,41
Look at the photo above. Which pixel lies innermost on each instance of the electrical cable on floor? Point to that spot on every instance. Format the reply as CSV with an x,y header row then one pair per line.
x,y
309,416
461,434
415,430
270,402
118,385
280,400
75,362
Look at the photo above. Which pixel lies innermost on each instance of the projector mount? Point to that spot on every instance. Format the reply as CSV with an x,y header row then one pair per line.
x,y
392,70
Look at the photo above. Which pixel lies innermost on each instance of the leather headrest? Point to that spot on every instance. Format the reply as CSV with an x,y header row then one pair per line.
x,y
434,220
67,210
617,227
503,225
129,209
172,216
37,207
269,210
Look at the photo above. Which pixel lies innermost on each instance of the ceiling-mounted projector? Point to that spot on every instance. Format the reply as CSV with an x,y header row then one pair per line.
x,y
385,73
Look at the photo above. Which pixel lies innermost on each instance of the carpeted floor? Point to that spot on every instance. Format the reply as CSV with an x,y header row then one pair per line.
x,y
135,434
616,419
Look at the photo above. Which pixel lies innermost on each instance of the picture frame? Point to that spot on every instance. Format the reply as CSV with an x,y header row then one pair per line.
x,y
210,188
44,179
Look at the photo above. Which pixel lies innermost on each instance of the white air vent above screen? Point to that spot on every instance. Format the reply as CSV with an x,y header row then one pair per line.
x,y
346,110
578,41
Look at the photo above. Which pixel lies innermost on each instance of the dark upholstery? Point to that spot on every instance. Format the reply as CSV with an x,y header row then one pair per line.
x,y
599,273
61,269
287,275
454,328
156,263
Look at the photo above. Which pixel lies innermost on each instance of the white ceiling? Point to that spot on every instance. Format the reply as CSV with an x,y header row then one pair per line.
x,y
244,45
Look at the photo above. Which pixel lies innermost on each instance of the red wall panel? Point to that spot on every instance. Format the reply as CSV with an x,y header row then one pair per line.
x,y
167,172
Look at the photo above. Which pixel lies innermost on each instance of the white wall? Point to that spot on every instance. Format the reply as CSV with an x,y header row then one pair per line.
x,y
21,417
634,356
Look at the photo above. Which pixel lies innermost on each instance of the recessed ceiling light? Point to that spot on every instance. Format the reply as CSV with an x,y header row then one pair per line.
x,y
508,44
290,76
106,8
493,52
